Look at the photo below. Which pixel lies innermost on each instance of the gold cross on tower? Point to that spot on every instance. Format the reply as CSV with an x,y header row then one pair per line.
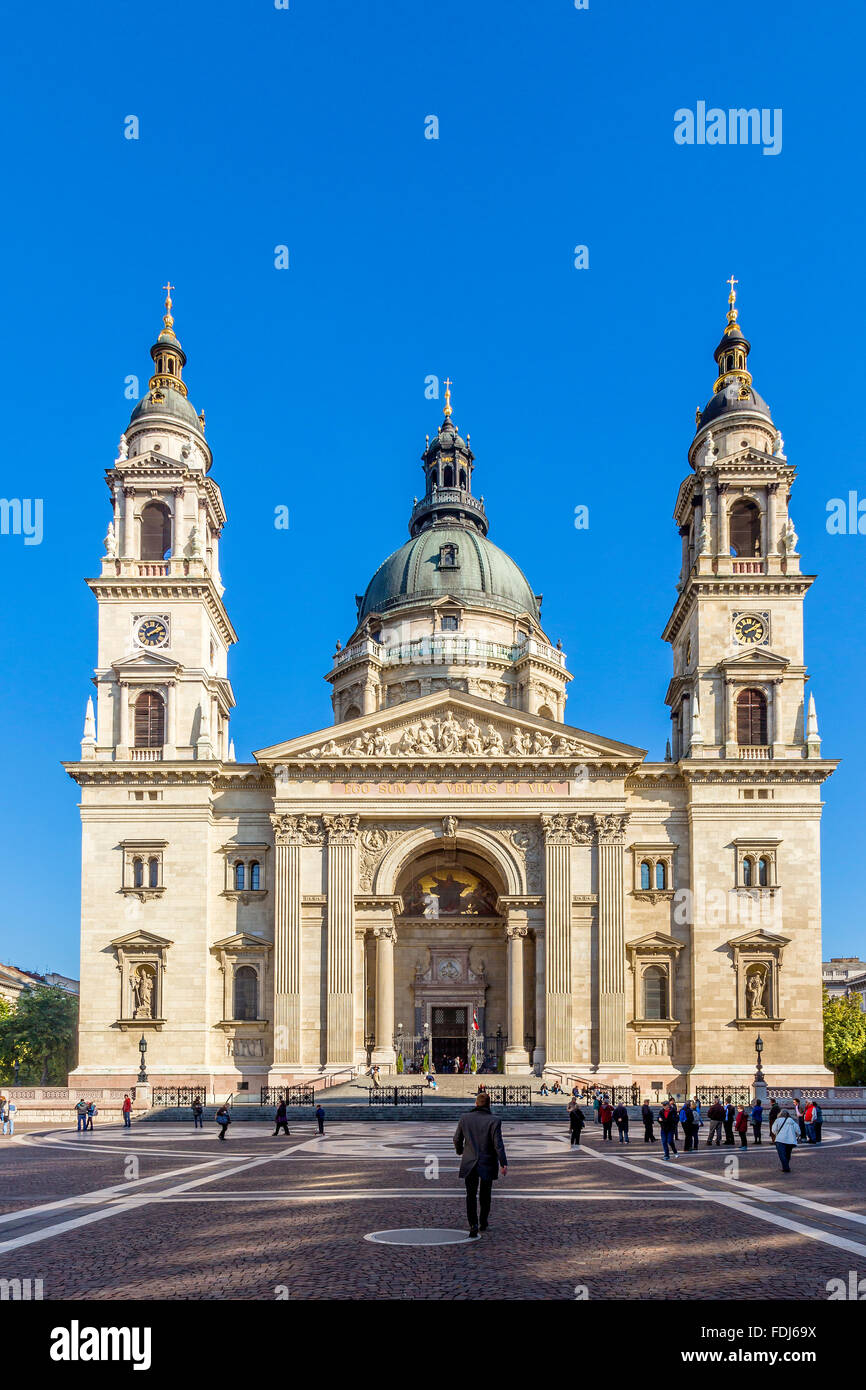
x,y
732,296
447,410
167,319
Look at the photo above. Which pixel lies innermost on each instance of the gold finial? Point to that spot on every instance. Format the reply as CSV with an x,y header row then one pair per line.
x,y
732,300
447,411
167,318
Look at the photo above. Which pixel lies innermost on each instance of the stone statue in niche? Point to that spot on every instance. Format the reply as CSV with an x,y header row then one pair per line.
x,y
142,993
756,986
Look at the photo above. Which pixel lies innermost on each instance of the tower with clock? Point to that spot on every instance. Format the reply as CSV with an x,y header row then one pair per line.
x,y
163,692
739,686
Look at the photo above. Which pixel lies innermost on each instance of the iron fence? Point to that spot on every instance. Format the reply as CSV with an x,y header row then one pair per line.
x,y
738,1095
180,1095
396,1095
303,1094
509,1095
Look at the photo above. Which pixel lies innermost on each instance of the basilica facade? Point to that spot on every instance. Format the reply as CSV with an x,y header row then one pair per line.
x,y
452,869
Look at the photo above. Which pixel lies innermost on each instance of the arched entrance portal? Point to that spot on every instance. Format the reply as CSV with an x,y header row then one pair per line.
x,y
450,969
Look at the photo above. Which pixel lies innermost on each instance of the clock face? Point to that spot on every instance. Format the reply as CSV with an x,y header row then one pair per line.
x,y
749,629
152,632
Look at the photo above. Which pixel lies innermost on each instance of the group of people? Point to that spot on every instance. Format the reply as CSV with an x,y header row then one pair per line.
x,y
8,1110
786,1130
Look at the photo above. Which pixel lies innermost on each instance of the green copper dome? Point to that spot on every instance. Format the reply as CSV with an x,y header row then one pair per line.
x,y
449,560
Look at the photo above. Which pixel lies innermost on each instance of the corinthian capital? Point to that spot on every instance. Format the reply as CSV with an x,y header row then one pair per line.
x,y
567,830
610,829
341,829
297,830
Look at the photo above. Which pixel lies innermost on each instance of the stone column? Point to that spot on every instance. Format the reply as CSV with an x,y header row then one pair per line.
x,y
612,1050
171,716
128,523
560,833
538,1055
342,832
384,1053
724,533
291,833
178,540
516,1056
123,732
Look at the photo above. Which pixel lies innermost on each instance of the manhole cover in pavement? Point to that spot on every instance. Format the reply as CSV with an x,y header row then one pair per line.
x,y
419,1236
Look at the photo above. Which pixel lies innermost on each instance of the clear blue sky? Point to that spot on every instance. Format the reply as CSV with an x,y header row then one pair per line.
x,y
411,257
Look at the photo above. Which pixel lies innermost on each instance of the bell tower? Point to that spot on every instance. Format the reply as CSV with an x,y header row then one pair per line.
x,y
161,676
739,684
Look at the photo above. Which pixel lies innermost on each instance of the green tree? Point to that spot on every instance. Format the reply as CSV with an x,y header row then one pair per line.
x,y
845,1038
39,1032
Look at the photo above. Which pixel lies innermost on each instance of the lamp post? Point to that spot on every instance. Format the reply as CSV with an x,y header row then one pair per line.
x,y
759,1085
142,1047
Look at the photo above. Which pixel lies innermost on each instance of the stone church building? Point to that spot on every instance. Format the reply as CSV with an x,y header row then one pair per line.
x,y
452,869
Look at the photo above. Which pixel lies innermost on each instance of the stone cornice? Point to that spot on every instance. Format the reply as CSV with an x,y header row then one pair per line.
x,y
158,590
215,774
732,586
812,770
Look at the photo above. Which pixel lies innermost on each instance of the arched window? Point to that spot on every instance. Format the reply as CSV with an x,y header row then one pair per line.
x,y
239,877
352,712
661,875
153,873
434,477
155,532
138,873
149,720
745,529
546,712
747,873
448,476
645,875
655,1003
255,876
463,477
246,993
751,718
763,873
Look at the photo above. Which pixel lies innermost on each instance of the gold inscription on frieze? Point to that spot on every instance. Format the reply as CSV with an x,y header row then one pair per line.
x,y
449,789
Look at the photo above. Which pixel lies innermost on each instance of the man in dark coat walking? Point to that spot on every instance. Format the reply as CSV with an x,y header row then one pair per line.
x,y
478,1139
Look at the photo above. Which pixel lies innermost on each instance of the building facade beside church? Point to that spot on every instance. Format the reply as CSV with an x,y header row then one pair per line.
x,y
452,868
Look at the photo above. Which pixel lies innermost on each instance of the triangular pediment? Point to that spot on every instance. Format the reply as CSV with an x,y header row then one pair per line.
x,y
141,941
759,939
455,727
242,941
655,941
754,660
145,663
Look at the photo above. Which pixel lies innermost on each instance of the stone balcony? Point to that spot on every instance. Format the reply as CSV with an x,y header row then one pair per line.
x,y
445,649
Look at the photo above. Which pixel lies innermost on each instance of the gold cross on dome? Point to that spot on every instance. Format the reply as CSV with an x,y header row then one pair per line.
x,y
732,296
448,383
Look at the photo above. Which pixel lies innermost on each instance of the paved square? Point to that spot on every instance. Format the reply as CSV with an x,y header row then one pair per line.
x,y
166,1212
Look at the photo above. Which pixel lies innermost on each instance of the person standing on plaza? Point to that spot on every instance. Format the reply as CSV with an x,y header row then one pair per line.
x,y
730,1117
620,1115
786,1135
741,1125
605,1115
320,1118
799,1117
596,1105
197,1114
757,1121
223,1119
9,1111
282,1120
668,1128
92,1112
715,1115
478,1139
81,1112
126,1111
774,1113
815,1126
647,1117
690,1127
3,1104
576,1122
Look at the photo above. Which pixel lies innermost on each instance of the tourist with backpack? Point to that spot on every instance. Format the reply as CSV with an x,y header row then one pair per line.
x,y
646,1115
223,1119
92,1113
730,1117
757,1121
715,1115
668,1120
786,1136
741,1125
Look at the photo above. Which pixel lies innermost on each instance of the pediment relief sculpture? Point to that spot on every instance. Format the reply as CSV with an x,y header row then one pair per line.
x,y
450,737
